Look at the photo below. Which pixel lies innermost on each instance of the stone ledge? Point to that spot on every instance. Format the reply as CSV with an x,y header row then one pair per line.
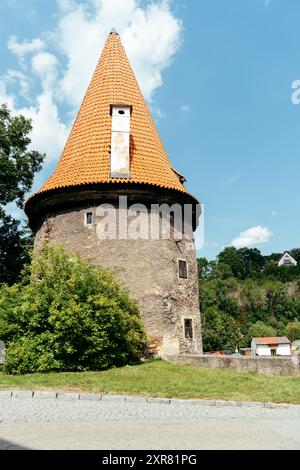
x,y
45,395
136,399
5,394
68,396
113,397
90,396
162,401
270,366
21,394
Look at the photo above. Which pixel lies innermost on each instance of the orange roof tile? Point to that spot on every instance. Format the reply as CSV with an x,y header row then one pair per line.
x,y
86,159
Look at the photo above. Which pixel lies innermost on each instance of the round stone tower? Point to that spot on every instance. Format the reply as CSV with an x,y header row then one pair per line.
x,y
115,199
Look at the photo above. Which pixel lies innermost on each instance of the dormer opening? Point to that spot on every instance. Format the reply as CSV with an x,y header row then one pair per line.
x,y
120,141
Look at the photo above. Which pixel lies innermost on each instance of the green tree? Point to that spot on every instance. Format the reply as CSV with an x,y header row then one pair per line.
x,y
18,166
203,268
293,330
218,293
253,261
66,315
260,330
231,263
220,331
14,249
253,302
295,253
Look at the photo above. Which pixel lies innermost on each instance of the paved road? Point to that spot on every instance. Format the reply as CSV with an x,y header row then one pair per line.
x,y
65,423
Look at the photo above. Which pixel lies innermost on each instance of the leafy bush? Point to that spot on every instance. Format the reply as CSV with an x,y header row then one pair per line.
x,y
293,330
220,331
260,330
66,315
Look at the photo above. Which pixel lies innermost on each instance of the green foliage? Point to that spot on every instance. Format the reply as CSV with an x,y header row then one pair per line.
x,y
18,166
253,261
14,248
295,253
231,263
258,302
248,263
217,293
293,330
261,330
67,315
220,331
204,268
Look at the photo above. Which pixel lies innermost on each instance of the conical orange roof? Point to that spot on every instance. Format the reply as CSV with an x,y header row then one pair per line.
x,y
86,157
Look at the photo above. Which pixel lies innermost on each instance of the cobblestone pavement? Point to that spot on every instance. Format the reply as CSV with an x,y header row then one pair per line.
x,y
47,422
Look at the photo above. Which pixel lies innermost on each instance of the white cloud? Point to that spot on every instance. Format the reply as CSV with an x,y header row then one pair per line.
x,y
4,96
150,35
157,112
15,76
49,132
44,65
20,49
185,108
252,237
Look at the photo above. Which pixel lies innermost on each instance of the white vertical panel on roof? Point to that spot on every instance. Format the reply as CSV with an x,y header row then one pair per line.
x,y
120,142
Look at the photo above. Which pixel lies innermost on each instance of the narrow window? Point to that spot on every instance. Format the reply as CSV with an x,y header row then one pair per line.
x,y
89,218
273,352
188,328
182,266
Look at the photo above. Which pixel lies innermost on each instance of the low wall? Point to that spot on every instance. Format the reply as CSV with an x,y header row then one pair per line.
x,y
260,365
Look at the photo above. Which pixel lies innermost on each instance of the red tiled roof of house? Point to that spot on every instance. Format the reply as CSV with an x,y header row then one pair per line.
x,y
86,158
272,340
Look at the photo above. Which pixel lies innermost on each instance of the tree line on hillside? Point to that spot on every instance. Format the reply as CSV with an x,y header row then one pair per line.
x,y
248,263
244,294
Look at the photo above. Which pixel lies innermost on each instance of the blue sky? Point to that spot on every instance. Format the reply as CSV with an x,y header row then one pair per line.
x,y
218,75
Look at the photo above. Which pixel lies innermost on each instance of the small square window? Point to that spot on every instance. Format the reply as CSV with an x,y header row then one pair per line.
x,y
182,266
188,328
89,218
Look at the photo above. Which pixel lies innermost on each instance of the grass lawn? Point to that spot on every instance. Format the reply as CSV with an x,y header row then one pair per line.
x,y
163,379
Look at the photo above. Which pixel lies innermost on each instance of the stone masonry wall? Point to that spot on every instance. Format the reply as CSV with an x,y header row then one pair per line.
x,y
149,270
280,366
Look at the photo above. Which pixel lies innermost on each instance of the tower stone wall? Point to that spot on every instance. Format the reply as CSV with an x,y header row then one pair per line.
x,y
147,268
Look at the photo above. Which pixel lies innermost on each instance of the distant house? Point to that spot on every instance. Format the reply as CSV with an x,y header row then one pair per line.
x,y
286,260
274,346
